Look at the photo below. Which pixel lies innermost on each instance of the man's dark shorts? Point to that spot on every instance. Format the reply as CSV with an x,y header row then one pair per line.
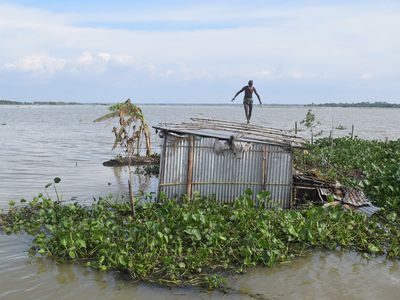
x,y
248,101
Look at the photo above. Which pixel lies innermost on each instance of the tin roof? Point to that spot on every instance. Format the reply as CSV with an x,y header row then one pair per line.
x,y
243,132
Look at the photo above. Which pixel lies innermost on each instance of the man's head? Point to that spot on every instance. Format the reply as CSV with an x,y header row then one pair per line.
x,y
250,82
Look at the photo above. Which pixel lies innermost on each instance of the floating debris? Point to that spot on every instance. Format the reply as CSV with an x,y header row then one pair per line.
x,y
331,194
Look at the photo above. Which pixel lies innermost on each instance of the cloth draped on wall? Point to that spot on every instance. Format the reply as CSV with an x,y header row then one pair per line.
x,y
237,148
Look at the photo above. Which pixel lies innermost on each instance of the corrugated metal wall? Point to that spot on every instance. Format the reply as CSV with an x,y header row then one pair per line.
x,y
173,166
224,175
278,175
264,167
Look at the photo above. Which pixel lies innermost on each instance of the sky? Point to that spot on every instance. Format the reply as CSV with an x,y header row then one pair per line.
x,y
200,51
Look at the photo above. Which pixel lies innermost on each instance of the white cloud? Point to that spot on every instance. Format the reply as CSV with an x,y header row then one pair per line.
x,y
295,74
123,60
343,40
169,72
264,73
37,63
320,42
45,64
104,56
366,76
86,58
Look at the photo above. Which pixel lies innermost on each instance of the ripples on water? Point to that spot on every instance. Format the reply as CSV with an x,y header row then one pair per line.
x,y
38,143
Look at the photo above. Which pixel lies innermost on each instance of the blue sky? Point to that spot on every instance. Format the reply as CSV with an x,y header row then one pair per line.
x,y
200,51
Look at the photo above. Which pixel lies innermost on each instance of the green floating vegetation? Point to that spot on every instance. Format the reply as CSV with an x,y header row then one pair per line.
x,y
373,166
191,243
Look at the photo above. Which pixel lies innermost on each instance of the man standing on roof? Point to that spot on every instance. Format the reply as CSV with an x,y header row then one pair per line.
x,y
248,99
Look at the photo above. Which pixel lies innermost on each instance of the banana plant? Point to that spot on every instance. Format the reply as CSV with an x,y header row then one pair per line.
x,y
132,128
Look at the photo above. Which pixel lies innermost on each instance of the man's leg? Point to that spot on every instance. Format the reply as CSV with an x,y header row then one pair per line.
x,y
250,109
246,111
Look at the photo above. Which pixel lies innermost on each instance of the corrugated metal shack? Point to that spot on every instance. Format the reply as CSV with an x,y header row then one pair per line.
x,y
222,158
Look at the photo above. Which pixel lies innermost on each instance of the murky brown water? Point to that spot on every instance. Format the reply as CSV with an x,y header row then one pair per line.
x,y
325,275
320,275
38,143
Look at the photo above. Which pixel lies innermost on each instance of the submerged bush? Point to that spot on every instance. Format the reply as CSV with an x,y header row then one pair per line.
x,y
191,243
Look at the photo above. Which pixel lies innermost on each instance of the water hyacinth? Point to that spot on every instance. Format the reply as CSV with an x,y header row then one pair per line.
x,y
370,165
191,243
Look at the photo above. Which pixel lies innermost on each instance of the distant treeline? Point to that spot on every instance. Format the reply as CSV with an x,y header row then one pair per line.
x,y
330,104
9,102
359,104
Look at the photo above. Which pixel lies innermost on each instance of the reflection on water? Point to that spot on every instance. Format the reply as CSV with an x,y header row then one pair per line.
x,y
39,143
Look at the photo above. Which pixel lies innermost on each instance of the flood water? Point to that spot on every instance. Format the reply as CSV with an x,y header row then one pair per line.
x,y
38,143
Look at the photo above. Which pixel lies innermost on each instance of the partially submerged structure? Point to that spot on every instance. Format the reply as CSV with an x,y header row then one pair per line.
x,y
222,158
309,188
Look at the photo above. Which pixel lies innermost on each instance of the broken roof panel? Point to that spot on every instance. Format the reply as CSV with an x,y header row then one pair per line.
x,y
351,198
369,210
356,197
241,131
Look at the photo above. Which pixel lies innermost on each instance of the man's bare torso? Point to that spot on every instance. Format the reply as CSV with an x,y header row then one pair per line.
x,y
248,91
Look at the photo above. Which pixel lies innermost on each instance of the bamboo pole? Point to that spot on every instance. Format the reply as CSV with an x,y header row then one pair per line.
x,y
291,181
190,167
130,189
295,127
352,131
131,198
312,137
264,165
265,170
163,159
226,182
230,125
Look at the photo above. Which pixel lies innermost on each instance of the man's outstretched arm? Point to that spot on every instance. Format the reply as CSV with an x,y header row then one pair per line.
x,y
258,96
237,94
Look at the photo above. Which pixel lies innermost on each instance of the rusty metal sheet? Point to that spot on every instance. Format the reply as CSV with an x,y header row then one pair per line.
x,y
355,197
